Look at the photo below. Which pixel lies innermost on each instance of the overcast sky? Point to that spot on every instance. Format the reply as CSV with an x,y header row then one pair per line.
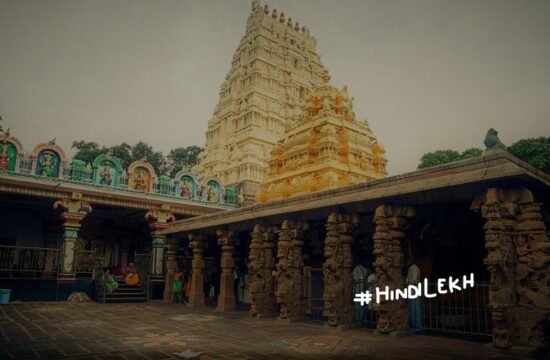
x,y
427,74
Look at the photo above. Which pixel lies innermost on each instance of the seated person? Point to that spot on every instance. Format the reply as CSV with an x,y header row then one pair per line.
x,y
109,282
116,271
131,276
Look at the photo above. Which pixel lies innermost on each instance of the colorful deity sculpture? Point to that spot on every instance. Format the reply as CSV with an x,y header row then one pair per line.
x,y
240,198
48,164
212,194
106,178
5,157
186,189
141,181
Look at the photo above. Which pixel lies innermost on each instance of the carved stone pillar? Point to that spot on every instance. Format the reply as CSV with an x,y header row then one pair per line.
x,y
73,210
391,226
289,270
196,297
226,299
337,270
261,283
532,244
171,264
158,220
518,248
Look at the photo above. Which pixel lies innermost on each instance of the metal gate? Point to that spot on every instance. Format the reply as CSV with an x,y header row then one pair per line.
x,y
313,292
460,313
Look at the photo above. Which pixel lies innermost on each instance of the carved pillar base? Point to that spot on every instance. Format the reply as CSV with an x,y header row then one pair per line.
x,y
226,299
391,226
196,297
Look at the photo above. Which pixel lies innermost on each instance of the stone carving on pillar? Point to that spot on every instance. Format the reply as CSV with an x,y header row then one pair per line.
x,y
289,275
391,226
72,211
226,299
337,268
158,220
197,244
518,246
171,264
261,283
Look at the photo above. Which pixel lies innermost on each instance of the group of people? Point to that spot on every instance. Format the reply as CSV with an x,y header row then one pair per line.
x,y
131,278
181,287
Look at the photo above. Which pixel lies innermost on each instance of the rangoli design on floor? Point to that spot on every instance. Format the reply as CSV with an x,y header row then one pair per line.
x,y
322,344
157,339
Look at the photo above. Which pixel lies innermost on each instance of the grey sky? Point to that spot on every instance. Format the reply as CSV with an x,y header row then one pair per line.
x,y
427,74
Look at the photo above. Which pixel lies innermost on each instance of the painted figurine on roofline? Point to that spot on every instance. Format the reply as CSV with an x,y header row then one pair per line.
x,y
5,157
48,164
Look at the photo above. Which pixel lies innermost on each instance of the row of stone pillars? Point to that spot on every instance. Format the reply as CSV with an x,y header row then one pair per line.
x,y
518,257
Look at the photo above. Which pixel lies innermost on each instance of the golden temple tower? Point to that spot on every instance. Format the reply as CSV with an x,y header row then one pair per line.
x,y
327,148
275,62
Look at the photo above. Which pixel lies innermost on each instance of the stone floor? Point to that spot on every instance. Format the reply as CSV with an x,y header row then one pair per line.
x,y
162,331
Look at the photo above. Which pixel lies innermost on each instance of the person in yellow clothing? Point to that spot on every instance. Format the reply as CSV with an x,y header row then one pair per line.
x,y
131,276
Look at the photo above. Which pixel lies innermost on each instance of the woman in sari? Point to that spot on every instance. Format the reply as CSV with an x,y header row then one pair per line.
x,y
177,286
110,283
131,276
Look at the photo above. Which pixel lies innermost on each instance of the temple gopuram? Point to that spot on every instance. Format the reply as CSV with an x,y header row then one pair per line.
x,y
275,63
327,148
328,221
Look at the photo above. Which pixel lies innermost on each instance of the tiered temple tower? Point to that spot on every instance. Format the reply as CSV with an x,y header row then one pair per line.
x,y
326,149
275,63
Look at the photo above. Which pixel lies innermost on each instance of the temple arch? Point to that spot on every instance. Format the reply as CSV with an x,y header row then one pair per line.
x,y
107,169
48,160
11,151
187,184
142,176
213,192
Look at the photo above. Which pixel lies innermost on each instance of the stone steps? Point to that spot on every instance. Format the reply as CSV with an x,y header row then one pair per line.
x,y
124,293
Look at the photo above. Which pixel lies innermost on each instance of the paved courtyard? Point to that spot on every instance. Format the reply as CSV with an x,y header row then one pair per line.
x,y
163,331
